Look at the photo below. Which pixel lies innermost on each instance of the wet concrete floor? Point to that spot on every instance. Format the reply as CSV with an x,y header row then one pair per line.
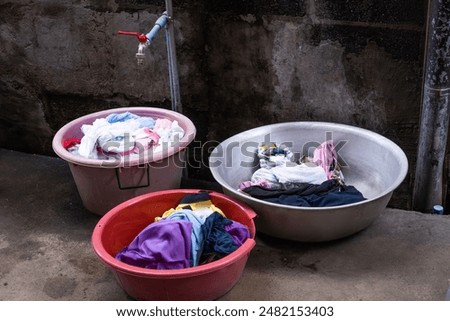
x,y
45,249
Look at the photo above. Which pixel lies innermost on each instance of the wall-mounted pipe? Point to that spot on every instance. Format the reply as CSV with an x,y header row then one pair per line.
x,y
172,61
160,23
428,184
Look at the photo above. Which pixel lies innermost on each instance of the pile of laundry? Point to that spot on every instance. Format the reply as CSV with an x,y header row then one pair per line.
x,y
124,134
312,182
196,232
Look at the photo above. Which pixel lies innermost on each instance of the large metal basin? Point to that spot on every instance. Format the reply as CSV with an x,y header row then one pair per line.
x,y
372,163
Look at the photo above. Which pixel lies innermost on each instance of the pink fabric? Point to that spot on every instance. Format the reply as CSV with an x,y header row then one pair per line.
x,y
244,185
162,123
146,141
152,135
326,157
261,182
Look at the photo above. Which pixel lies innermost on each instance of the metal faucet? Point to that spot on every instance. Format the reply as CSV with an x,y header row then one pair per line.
x,y
146,40
164,21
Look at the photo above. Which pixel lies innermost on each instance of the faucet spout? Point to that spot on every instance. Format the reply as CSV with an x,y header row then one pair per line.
x,y
140,55
143,43
146,40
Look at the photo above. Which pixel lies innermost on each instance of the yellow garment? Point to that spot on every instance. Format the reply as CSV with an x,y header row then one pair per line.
x,y
197,206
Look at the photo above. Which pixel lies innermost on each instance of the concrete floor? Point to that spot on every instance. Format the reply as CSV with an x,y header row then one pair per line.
x,y
45,250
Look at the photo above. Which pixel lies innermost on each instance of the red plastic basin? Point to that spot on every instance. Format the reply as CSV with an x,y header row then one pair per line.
x,y
117,228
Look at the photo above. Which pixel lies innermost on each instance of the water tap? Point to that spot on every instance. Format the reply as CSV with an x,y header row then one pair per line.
x,y
143,43
145,40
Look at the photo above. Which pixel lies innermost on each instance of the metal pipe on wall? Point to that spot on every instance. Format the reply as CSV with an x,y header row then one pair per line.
x,y
172,61
429,175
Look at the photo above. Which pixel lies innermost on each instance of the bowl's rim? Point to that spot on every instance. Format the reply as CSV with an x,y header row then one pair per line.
x,y
400,155
189,136
124,268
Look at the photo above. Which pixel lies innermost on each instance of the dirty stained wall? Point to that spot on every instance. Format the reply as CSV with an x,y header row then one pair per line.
x,y
242,64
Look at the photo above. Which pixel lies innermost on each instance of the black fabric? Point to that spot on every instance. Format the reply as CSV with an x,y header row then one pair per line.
x,y
195,198
217,241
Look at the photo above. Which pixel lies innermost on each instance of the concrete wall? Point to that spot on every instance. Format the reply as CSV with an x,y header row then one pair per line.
x,y
62,59
242,64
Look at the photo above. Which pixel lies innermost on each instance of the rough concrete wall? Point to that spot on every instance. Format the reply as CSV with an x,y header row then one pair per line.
x,y
242,64
62,59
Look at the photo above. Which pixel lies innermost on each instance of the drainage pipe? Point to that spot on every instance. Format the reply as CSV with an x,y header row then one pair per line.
x,y
429,181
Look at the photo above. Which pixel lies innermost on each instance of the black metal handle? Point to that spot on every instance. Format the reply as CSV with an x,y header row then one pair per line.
x,y
133,186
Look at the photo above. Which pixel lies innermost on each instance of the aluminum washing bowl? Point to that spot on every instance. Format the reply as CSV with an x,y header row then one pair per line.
x,y
372,163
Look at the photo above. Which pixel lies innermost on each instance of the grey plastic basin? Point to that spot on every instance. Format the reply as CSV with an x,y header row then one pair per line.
x,y
372,163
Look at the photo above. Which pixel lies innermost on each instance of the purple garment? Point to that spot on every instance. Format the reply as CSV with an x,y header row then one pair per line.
x,y
196,235
238,232
162,245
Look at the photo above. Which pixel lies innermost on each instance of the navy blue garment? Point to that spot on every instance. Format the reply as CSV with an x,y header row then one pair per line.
x,y
195,198
329,193
300,189
348,196
217,241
